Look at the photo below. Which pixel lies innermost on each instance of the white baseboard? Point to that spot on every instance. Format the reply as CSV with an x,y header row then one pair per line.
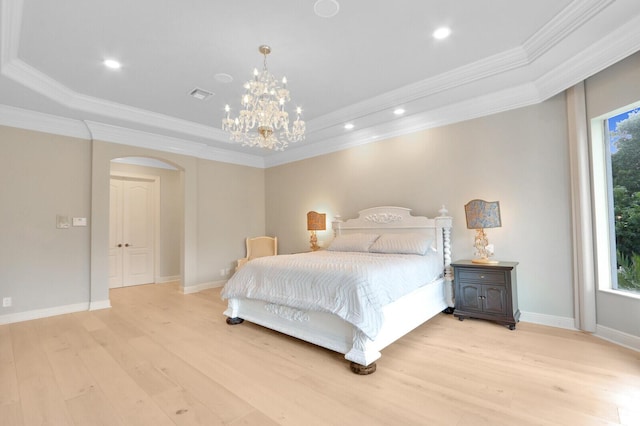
x,y
550,320
618,337
167,279
43,313
100,304
203,286
614,336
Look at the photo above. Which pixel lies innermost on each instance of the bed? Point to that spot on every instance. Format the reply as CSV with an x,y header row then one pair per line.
x,y
382,246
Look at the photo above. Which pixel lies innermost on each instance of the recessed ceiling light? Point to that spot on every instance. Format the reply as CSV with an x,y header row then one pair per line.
x,y
112,63
349,126
398,111
442,33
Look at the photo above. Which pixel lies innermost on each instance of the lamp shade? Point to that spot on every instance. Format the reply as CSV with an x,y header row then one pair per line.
x,y
482,214
316,221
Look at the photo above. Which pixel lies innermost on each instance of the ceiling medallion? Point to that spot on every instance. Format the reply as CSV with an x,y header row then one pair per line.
x,y
263,121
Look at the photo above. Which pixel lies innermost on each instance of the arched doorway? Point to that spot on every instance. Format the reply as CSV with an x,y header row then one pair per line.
x,y
185,223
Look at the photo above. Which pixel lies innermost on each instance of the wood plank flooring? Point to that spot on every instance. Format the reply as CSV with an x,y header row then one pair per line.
x,y
159,357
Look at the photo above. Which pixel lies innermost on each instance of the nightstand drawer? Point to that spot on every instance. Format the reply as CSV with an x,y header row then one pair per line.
x,y
480,275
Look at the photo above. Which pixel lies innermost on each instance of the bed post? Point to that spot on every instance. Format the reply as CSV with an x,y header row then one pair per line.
x,y
443,224
336,224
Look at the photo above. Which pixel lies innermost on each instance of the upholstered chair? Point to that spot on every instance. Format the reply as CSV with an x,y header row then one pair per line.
x,y
259,247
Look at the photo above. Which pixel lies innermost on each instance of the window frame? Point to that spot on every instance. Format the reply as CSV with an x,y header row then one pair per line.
x,y
603,207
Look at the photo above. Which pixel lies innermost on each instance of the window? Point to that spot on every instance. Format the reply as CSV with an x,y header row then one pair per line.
x,y
616,185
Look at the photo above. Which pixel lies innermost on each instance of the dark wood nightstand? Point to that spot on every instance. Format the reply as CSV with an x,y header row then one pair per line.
x,y
486,291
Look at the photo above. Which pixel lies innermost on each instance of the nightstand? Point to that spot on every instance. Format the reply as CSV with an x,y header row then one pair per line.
x,y
486,291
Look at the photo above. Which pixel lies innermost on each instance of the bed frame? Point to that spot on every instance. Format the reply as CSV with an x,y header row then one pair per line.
x,y
401,316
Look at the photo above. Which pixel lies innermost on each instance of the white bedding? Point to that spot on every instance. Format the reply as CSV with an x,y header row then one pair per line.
x,y
352,285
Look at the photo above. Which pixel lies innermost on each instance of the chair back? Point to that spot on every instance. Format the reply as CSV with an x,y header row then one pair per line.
x,y
261,246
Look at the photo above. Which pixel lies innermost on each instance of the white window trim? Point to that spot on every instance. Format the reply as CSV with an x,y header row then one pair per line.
x,y
604,229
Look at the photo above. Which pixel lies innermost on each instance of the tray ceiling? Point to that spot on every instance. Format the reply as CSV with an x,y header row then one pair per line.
x,y
357,66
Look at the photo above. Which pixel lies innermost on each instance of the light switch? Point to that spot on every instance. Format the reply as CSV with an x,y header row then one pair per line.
x,y
79,221
62,222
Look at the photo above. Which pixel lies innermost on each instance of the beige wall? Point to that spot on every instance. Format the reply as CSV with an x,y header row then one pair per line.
x,y
519,158
41,176
230,208
47,270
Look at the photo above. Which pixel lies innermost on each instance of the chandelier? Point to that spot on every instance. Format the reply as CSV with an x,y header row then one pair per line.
x,y
263,121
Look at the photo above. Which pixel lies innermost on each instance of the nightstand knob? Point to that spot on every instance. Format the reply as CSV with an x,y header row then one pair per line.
x,y
482,277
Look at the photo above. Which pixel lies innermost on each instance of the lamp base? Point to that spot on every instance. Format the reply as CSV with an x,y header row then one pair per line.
x,y
484,261
314,241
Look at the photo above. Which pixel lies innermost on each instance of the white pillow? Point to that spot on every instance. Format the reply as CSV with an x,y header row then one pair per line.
x,y
402,244
352,242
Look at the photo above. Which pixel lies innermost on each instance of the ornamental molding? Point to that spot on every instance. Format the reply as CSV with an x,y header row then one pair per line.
x,y
287,312
384,218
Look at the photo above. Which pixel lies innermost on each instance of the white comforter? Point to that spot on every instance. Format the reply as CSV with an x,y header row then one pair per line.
x,y
355,286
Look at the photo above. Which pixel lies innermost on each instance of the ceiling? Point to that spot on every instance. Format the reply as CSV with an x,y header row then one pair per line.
x,y
356,66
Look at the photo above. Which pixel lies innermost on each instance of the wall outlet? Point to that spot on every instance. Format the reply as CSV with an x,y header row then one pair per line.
x,y
6,302
222,272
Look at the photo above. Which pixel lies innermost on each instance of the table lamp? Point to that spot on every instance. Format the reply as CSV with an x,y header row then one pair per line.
x,y
480,215
316,222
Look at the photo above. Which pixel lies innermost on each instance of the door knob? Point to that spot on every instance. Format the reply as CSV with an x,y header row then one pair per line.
x,y
126,245
119,245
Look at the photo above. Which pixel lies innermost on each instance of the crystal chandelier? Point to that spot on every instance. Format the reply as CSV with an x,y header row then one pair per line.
x,y
263,121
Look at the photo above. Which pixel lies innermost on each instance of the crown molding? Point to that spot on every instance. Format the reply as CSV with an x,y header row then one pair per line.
x,y
125,136
621,43
572,17
90,130
324,133
562,25
492,103
39,82
40,122
492,65
10,24
17,70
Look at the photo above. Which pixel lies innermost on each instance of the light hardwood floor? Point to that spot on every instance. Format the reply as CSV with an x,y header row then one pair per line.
x,y
159,357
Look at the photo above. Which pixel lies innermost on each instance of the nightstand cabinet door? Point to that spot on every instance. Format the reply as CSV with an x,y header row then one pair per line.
x,y
486,292
494,300
469,298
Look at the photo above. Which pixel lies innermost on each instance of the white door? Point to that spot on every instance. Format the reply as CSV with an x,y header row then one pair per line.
x,y
131,232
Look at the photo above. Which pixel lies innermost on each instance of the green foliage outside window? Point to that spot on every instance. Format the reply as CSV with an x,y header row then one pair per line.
x,y
629,272
625,168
